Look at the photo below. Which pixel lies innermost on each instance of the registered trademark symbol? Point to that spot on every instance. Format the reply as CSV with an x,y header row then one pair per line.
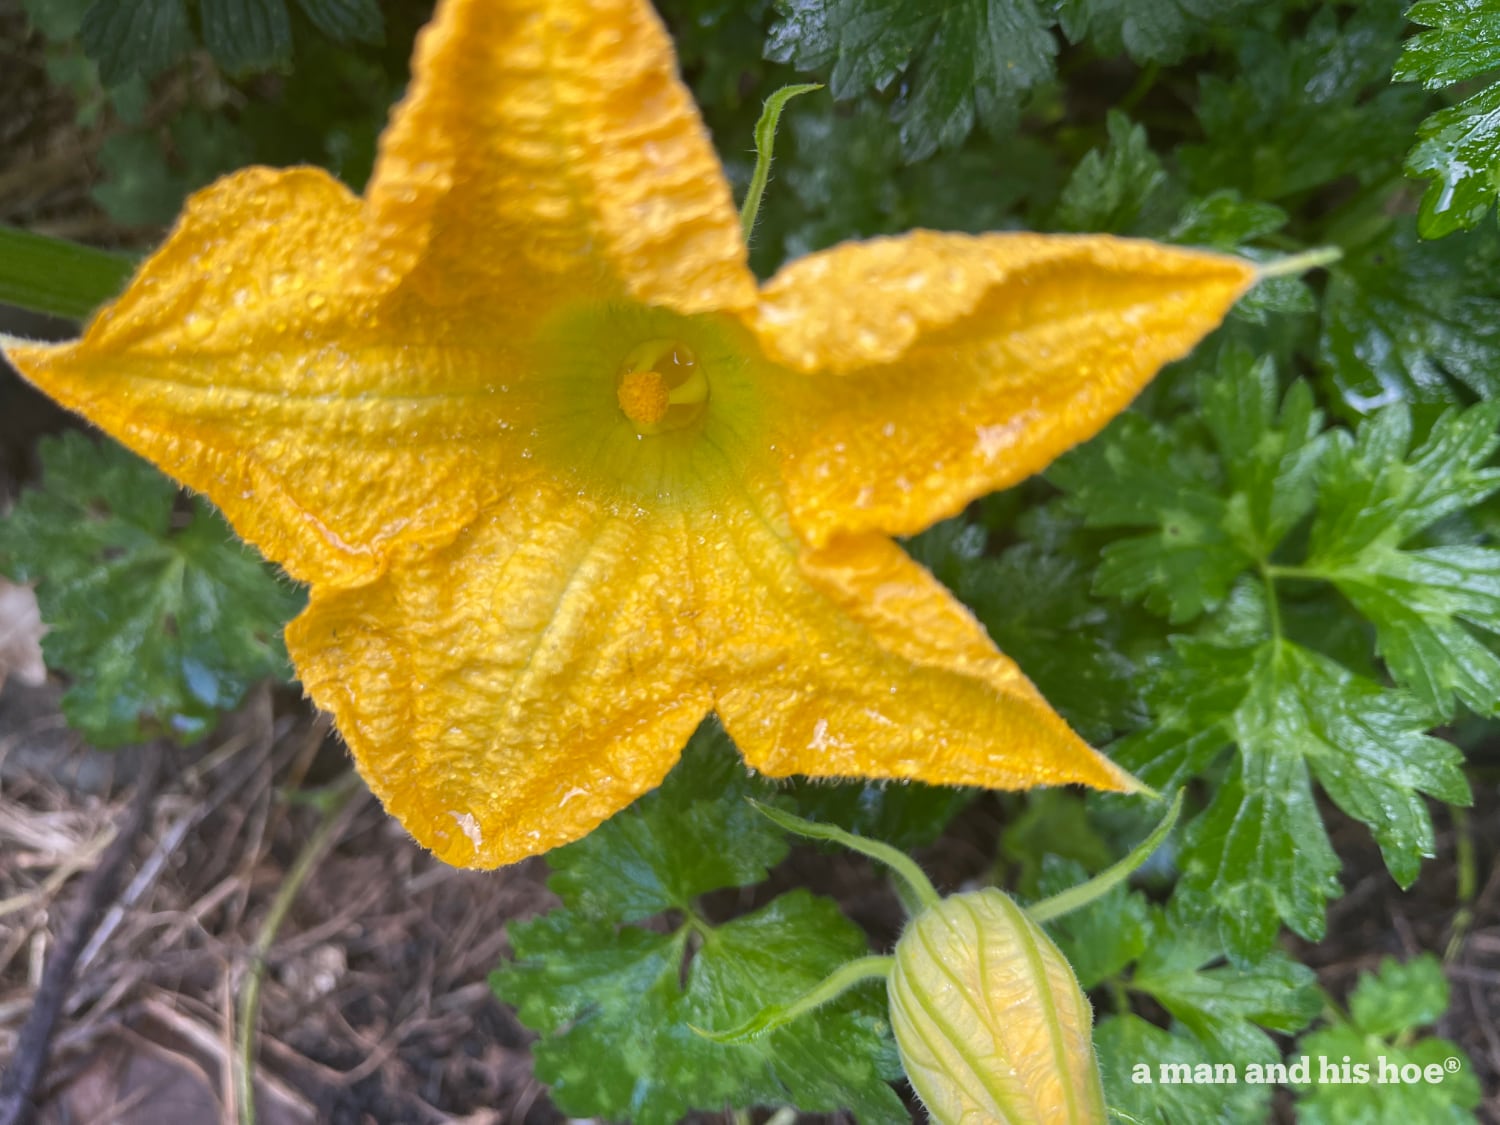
x,y
1452,1064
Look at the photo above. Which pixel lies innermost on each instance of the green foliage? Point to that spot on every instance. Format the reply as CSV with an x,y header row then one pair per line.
x,y
1458,147
159,616
1220,1012
1222,491
617,1004
1404,319
1386,1011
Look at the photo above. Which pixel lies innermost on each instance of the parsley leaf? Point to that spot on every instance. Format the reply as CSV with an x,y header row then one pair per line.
x,y
1458,148
1385,1011
1213,518
162,619
959,61
1300,112
1157,31
1259,853
1375,498
1111,186
1406,319
617,1004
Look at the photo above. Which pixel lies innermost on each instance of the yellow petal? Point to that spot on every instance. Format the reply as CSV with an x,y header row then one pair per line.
x,y
241,363
852,661
507,693
548,151
969,363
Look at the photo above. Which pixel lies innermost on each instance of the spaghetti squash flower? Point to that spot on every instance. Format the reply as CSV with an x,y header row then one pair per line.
x,y
564,480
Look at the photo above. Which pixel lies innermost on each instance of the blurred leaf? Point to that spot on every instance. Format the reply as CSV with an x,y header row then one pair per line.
x,y
347,21
245,35
53,276
958,61
135,37
1386,1010
1111,186
1146,30
1300,113
1128,1045
1406,319
161,617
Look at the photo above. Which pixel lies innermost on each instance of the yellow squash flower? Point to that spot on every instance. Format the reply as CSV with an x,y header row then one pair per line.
x,y
563,480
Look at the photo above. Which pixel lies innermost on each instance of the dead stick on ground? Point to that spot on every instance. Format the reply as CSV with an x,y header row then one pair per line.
x,y
337,808
19,1083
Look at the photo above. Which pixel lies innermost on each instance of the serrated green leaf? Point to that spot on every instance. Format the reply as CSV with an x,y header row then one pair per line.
x,y
135,37
1374,499
1111,185
1226,220
1390,1076
246,35
1399,996
1228,1007
1308,106
694,834
1407,320
1137,1061
1259,855
161,618
1212,522
1146,30
967,60
347,21
617,1006
1458,148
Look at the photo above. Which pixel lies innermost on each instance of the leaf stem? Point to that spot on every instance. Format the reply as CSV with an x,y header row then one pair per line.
x,y
1071,899
336,802
1294,264
898,861
834,985
57,277
765,142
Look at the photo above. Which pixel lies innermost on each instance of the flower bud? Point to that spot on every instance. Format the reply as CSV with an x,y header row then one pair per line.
x,y
989,1018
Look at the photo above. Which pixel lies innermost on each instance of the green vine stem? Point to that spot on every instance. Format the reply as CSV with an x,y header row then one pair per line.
x,y
834,985
1074,897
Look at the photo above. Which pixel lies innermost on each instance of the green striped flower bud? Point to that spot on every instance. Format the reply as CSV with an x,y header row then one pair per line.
x,y
989,1019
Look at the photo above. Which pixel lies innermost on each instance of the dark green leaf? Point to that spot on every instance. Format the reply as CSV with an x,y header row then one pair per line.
x,y
959,61
906,814
53,276
1226,220
347,21
1406,319
1111,186
162,618
1375,498
245,35
1300,112
617,1005
1146,30
1458,148
130,37
694,834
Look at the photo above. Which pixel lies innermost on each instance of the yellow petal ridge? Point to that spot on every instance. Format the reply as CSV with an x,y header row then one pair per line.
x,y
942,367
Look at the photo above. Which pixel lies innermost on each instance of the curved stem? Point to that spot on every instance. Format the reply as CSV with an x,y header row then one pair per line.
x,y
833,986
1085,893
1294,264
765,142
898,861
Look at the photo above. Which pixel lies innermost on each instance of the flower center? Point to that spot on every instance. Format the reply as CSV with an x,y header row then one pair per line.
x,y
661,387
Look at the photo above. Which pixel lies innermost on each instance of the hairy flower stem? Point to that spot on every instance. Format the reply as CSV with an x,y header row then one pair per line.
x,y
1295,264
765,142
